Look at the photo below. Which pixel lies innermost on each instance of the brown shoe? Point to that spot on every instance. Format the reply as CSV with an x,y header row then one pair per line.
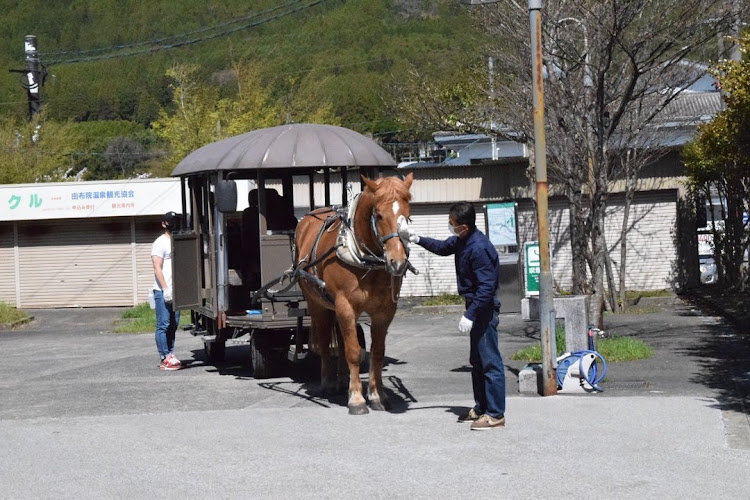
x,y
486,422
469,416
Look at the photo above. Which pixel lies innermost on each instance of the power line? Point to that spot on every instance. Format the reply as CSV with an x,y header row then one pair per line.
x,y
151,50
154,41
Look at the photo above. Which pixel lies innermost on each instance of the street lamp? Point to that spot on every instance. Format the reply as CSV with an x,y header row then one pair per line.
x,y
546,309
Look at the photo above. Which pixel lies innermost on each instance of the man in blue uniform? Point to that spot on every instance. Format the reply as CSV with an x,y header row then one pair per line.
x,y
477,276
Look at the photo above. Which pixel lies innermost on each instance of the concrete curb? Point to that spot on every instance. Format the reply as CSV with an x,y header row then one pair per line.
x,y
11,326
438,310
655,301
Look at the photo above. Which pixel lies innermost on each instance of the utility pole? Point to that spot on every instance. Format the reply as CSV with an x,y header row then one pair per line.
x,y
34,76
546,306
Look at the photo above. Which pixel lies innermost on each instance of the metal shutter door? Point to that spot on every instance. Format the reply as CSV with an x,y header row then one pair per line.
x,y
147,229
7,265
76,263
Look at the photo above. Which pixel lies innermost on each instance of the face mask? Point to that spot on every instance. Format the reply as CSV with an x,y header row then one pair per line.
x,y
452,230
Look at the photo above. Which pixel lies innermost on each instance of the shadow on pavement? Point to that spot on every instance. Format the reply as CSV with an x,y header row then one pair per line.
x,y
724,355
725,361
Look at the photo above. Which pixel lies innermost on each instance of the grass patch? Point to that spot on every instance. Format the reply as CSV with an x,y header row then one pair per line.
x,y
639,310
613,349
634,294
533,353
142,318
9,314
616,349
444,299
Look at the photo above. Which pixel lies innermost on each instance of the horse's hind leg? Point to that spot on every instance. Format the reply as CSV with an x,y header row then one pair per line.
x,y
375,394
322,323
352,351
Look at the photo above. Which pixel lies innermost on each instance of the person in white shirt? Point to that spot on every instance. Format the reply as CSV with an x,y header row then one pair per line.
x,y
167,318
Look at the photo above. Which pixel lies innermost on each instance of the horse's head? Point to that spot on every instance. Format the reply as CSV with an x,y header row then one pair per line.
x,y
390,206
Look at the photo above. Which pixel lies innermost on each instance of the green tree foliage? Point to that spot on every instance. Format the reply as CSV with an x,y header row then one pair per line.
x,y
718,161
48,150
32,152
335,63
341,54
114,149
200,115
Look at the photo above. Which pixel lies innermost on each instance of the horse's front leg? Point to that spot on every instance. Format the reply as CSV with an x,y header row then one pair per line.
x,y
375,394
352,351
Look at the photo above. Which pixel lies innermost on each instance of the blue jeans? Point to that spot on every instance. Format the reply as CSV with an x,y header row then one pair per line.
x,y
166,324
487,369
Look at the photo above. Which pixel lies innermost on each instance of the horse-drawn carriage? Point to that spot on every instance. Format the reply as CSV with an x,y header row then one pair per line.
x,y
242,274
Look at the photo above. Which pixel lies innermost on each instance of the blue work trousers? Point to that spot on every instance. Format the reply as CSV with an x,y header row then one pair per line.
x,y
487,369
166,324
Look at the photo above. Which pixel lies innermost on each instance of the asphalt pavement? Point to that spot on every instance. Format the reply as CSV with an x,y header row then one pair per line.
x,y
85,413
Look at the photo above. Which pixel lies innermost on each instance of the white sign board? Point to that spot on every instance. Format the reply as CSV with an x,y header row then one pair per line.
x,y
705,244
501,224
69,200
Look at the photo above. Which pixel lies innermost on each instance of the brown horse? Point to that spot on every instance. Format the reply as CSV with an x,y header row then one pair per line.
x,y
338,292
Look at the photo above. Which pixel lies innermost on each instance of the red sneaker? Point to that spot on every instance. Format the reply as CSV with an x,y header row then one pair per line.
x,y
170,363
172,359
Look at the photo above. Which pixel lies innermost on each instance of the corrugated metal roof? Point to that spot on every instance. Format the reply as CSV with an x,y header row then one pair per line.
x,y
692,107
287,146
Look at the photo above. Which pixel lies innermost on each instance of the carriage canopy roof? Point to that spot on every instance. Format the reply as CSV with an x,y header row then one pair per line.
x,y
287,146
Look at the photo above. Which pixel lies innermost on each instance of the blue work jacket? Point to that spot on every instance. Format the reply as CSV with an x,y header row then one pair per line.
x,y
477,268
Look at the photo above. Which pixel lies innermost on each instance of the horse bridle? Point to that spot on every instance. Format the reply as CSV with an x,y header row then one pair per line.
x,y
381,239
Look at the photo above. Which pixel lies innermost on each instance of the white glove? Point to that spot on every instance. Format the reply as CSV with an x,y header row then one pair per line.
x,y
464,326
167,295
405,232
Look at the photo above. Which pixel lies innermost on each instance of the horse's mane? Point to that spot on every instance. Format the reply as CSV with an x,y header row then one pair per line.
x,y
390,189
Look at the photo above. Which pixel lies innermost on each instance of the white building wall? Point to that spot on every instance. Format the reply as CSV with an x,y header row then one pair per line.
x,y
124,260
651,253
652,250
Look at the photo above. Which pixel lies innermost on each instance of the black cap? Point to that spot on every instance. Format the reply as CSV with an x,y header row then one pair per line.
x,y
171,219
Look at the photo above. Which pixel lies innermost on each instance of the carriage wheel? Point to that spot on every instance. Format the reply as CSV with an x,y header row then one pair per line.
x,y
259,356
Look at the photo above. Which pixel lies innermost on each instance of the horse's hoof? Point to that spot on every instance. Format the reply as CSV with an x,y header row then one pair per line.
x,y
358,409
378,405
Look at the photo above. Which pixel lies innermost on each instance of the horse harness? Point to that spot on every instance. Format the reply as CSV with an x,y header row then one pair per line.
x,y
349,248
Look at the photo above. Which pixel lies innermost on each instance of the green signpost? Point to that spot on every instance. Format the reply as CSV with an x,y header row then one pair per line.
x,y
532,267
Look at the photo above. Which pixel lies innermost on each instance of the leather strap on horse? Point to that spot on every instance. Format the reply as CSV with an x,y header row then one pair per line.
x,y
300,270
367,260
